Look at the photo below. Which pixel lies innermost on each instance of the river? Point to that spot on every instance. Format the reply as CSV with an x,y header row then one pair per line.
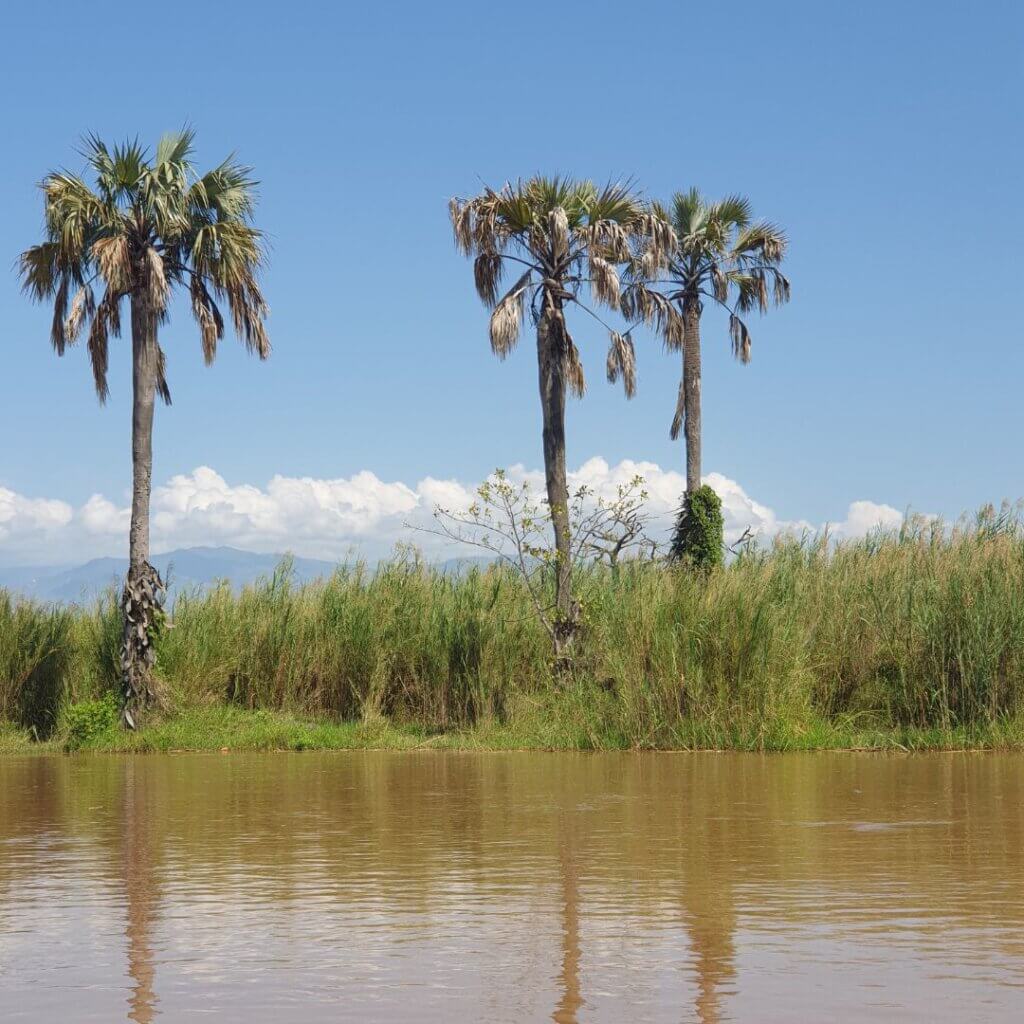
x,y
512,887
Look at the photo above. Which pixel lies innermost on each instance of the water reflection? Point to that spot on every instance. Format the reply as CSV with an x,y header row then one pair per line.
x,y
569,976
706,898
703,888
141,895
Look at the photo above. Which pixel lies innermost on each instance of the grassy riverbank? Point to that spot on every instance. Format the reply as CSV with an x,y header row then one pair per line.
x,y
232,729
906,641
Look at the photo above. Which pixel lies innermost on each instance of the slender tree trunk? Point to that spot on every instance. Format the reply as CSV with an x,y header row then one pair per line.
x,y
551,364
143,595
691,389
143,400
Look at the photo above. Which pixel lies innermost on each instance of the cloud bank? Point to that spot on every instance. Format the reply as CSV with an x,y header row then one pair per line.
x,y
357,515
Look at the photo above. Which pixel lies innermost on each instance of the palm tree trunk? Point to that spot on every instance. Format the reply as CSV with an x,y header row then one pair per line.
x,y
142,598
143,400
691,390
552,399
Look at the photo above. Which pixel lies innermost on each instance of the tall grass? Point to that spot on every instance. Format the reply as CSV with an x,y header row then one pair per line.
x,y
918,629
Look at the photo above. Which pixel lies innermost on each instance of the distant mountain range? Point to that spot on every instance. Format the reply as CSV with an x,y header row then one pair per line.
x,y
185,569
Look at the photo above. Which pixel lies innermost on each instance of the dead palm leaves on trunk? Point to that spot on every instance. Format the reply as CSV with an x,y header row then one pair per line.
x,y
147,225
562,239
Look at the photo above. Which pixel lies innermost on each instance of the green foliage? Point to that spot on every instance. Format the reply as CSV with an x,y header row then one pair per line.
x,y
915,637
35,647
144,226
698,539
86,721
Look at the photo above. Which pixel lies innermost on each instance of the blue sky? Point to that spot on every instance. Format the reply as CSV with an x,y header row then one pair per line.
x,y
886,139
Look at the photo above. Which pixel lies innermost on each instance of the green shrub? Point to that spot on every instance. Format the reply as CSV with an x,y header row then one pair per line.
x,y
698,538
35,648
88,720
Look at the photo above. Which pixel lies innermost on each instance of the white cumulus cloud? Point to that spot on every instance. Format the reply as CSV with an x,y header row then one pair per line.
x,y
360,514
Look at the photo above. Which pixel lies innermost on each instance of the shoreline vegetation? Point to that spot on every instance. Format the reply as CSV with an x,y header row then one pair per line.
x,y
910,640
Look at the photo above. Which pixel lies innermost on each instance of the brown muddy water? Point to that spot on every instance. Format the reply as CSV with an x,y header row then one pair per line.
x,y
512,887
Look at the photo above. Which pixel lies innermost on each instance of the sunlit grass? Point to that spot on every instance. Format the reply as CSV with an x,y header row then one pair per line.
x,y
904,641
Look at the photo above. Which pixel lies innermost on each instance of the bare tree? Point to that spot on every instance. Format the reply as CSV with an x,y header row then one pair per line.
x,y
512,524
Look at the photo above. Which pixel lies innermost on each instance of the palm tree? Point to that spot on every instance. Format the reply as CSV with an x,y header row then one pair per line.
x,y
715,252
148,225
560,234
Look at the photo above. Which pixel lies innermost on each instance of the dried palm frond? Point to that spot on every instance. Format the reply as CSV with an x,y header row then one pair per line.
x,y
622,360
719,283
248,310
680,415
107,321
573,367
461,214
38,268
740,339
156,281
58,336
161,376
558,232
658,241
604,279
487,271
607,238
648,304
507,318
208,316
83,308
674,330
113,258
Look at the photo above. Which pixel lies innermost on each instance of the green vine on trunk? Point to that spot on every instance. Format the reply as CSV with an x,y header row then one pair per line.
x,y
698,539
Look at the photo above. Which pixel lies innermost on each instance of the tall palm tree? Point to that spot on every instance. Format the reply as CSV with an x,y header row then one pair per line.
x,y
147,226
560,234
716,252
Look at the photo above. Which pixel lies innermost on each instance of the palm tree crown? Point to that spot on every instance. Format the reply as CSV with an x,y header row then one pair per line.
x,y
565,233
147,225
714,251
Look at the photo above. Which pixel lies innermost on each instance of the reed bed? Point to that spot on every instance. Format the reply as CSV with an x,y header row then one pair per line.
x,y
806,643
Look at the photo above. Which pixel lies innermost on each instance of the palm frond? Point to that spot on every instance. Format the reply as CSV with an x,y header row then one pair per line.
x,y
558,232
622,361
689,212
208,317
228,192
507,318
487,273
248,311
105,323
175,147
617,202
161,376
740,338
37,267
680,414
58,337
604,280
764,241
733,211
573,367
83,308
719,282
113,259
74,214
157,289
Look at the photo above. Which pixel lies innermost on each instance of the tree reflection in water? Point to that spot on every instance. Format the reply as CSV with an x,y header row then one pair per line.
x,y
569,977
141,896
